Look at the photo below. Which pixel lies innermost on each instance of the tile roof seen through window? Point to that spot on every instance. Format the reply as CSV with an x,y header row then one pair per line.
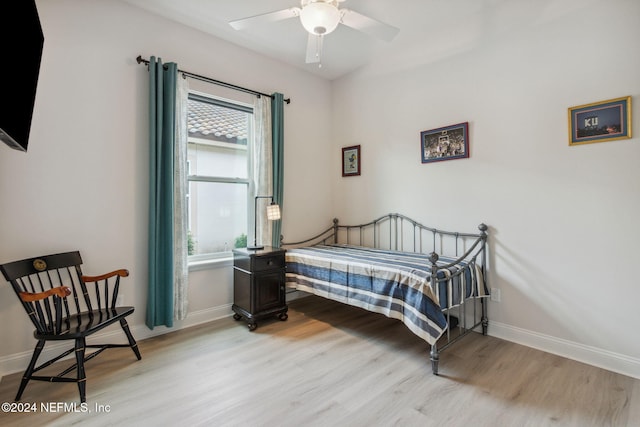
x,y
216,123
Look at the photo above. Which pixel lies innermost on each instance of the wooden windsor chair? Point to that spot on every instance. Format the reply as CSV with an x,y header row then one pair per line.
x,y
66,305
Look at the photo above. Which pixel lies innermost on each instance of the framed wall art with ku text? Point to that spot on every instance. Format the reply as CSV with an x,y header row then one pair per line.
x,y
600,121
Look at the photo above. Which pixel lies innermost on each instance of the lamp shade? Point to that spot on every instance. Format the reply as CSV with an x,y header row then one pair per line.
x,y
319,17
273,212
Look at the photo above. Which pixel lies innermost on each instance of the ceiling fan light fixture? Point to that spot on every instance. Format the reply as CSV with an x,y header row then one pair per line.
x,y
320,18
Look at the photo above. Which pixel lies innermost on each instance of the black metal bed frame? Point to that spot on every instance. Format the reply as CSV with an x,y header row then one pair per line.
x,y
400,233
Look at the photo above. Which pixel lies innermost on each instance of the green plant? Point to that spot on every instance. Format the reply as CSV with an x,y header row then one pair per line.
x,y
241,241
191,244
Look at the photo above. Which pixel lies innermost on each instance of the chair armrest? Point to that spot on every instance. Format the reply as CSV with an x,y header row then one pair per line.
x,y
61,291
121,273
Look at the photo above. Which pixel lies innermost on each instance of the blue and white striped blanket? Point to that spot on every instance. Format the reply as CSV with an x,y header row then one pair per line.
x,y
396,284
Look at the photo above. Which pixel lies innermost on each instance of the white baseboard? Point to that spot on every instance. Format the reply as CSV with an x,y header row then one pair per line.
x,y
604,359
18,362
142,332
608,360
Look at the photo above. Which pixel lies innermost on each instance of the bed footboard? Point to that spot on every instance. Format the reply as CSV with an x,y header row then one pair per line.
x,y
464,305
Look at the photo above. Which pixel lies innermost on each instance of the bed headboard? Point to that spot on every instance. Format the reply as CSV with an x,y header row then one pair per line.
x,y
400,233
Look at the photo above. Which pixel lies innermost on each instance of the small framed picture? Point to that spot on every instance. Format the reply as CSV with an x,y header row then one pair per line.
x,y
445,143
351,160
600,121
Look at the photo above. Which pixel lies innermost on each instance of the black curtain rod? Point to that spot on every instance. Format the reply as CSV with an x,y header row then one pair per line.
x,y
141,60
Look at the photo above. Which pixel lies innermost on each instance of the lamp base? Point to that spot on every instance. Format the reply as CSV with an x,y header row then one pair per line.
x,y
255,248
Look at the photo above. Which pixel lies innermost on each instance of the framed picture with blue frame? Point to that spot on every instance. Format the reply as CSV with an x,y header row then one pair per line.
x,y
608,120
445,143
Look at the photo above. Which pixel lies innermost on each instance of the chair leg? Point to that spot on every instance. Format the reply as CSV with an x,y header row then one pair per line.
x,y
32,364
82,379
132,341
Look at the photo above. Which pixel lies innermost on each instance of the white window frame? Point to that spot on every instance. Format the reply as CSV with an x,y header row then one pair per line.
x,y
222,259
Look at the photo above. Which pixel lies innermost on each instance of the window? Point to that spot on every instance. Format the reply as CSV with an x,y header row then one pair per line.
x,y
219,165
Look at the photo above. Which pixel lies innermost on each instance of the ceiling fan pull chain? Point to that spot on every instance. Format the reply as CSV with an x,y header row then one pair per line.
x,y
319,40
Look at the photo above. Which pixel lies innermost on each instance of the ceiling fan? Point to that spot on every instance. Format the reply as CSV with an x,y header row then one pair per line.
x,y
319,18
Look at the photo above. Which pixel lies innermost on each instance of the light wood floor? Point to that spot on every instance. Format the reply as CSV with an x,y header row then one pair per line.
x,y
331,365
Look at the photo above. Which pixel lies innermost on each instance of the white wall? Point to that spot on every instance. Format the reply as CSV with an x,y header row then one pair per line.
x,y
83,183
563,230
563,220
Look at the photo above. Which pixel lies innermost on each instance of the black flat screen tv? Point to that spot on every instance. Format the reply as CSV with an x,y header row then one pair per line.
x,y
21,41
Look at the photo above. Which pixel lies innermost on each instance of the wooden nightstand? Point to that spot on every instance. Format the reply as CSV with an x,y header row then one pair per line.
x,y
259,284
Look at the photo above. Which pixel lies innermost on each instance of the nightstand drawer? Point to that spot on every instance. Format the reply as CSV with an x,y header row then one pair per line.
x,y
268,262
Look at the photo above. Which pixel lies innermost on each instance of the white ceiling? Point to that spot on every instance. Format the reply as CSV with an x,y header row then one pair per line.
x,y
430,30
346,49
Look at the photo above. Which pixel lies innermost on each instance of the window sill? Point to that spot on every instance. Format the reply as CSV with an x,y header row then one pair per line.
x,y
211,263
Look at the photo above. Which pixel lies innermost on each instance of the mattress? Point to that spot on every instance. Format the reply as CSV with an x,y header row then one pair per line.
x,y
396,284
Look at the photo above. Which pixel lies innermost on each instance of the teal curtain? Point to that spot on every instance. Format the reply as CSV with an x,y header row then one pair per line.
x,y
162,101
277,135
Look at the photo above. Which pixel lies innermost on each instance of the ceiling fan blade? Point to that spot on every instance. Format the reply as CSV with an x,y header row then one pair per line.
x,y
241,24
368,25
314,48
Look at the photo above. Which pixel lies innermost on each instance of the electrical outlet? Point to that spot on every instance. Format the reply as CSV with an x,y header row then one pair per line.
x,y
495,295
120,300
